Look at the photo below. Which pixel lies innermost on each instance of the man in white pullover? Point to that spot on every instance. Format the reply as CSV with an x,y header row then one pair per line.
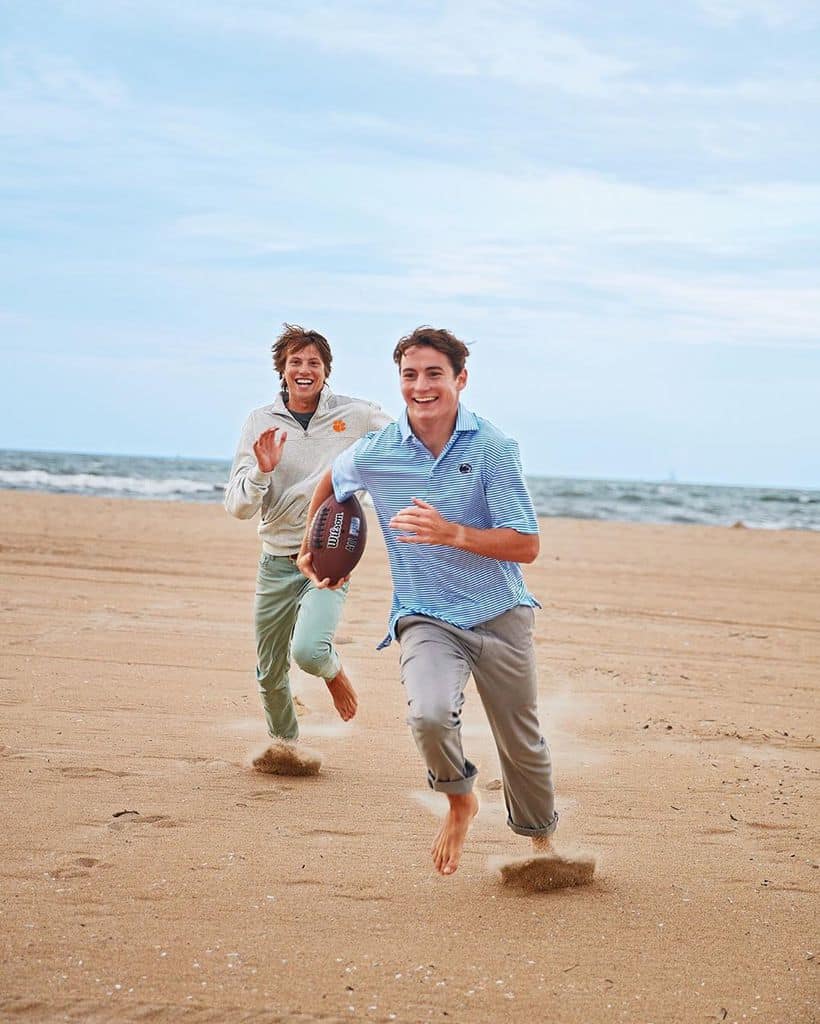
x,y
284,449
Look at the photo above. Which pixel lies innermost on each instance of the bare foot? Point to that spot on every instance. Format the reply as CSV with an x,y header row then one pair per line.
x,y
343,694
449,842
287,757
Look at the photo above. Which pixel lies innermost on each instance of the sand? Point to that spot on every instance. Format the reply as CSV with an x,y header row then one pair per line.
x,y
148,875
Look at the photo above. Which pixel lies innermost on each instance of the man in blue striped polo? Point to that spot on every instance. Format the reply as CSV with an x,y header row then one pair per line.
x,y
458,521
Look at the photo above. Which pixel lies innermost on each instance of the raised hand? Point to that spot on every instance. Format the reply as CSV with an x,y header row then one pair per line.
x,y
421,523
268,449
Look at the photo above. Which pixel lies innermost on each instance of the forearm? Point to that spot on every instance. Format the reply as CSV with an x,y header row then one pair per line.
x,y
501,543
323,490
246,489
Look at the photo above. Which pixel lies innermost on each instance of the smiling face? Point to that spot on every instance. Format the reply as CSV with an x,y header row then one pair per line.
x,y
430,388
305,376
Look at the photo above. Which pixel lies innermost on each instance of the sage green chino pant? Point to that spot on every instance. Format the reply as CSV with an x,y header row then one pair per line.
x,y
291,618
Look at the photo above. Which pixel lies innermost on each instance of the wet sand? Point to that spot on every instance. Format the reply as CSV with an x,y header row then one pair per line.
x,y
147,875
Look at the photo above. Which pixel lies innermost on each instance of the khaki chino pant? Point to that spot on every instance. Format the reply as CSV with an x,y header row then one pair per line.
x,y
436,662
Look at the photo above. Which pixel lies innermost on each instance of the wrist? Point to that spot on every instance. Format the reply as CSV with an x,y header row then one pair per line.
x,y
458,538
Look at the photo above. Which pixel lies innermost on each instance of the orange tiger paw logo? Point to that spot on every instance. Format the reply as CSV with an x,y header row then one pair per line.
x,y
339,426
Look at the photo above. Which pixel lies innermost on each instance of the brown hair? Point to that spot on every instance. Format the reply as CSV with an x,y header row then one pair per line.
x,y
442,341
293,339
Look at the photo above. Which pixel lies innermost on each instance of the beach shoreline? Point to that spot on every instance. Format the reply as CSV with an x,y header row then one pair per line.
x,y
648,501
150,875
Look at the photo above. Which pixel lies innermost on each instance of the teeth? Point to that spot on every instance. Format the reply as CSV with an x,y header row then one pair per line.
x,y
425,400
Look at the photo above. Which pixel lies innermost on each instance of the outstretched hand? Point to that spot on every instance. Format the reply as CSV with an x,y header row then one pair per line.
x,y
268,449
421,523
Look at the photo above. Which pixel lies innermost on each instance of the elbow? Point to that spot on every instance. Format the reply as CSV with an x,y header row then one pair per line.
x,y
531,549
239,511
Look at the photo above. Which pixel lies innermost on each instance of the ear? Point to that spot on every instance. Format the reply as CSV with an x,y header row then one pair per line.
x,y
461,379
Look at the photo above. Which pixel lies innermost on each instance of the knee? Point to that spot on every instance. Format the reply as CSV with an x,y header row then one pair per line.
x,y
432,724
312,657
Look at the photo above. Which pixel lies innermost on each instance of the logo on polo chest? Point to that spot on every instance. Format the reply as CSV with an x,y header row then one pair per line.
x,y
465,467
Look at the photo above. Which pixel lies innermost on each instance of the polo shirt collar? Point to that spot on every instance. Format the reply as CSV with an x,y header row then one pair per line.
x,y
466,422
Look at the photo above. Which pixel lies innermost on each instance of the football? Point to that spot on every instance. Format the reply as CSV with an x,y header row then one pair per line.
x,y
337,538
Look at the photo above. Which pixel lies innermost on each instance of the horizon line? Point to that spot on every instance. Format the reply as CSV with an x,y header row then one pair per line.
x,y
671,480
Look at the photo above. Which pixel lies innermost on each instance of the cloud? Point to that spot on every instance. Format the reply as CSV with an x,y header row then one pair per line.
x,y
786,88
480,39
50,99
582,252
773,13
34,75
271,214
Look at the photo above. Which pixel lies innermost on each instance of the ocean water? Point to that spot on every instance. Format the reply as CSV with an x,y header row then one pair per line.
x,y
134,476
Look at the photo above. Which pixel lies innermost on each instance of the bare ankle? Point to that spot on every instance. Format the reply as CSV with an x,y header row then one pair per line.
x,y
462,804
449,843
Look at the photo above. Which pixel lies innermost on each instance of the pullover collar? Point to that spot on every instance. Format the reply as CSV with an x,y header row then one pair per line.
x,y
325,398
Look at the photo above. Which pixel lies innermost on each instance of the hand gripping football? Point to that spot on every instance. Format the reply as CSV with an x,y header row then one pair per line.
x,y
337,538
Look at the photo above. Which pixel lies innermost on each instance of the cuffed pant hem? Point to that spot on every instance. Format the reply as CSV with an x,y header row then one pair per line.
x,y
332,671
454,785
524,830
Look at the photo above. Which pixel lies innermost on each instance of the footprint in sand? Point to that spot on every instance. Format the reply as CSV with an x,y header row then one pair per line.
x,y
87,772
129,819
269,795
78,868
197,761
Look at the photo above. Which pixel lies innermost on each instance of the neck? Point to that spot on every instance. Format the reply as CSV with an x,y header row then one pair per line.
x,y
434,436
296,404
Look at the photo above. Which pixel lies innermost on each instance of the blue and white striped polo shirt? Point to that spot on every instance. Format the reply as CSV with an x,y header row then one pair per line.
x,y
476,481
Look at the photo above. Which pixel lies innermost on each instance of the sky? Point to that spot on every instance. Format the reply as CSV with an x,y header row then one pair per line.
x,y
616,206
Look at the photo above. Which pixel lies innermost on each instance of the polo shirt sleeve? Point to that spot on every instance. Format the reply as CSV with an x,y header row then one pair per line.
x,y
345,473
508,499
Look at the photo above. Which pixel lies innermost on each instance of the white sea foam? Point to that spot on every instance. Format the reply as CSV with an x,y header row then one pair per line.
x,y
88,483
180,479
